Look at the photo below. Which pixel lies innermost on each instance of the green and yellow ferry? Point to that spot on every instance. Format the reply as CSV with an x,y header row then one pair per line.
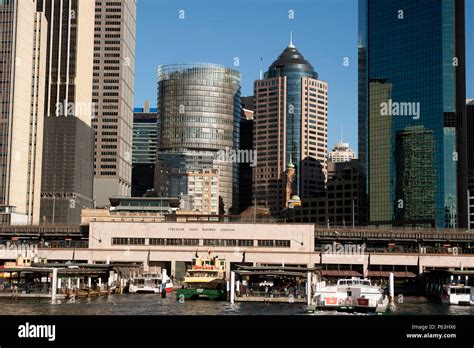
x,y
204,280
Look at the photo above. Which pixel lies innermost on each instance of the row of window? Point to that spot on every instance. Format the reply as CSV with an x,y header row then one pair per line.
x,y
266,243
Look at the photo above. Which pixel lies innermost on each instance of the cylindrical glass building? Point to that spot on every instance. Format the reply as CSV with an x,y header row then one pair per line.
x,y
199,110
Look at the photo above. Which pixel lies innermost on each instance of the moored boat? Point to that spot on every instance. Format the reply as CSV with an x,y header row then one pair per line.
x,y
451,287
146,283
204,280
355,294
458,294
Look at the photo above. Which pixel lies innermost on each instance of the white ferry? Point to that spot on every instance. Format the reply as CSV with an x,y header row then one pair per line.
x,y
458,294
452,287
150,283
354,294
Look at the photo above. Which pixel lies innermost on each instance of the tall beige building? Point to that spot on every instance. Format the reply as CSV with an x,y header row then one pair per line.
x,y
46,150
68,138
114,72
22,73
290,126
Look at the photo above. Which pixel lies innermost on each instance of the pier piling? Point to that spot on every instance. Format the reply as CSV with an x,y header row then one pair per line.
x,y
54,284
232,287
391,284
309,295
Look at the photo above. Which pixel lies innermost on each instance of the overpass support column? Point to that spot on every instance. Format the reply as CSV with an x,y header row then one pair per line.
x,y
54,284
232,287
227,269
366,267
173,269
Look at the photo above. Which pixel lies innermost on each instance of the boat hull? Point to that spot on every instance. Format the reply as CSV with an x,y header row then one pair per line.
x,y
458,300
379,307
348,309
201,294
145,290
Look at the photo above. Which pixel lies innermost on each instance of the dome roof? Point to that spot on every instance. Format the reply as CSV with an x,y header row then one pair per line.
x,y
290,58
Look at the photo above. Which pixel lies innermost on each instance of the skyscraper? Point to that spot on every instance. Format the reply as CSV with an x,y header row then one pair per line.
x,y
22,81
412,118
68,145
145,142
114,73
470,137
246,144
199,115
470,160
341,152
290,124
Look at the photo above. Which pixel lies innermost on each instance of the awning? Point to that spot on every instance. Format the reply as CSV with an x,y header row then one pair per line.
x,y
386,274
272,273
340,273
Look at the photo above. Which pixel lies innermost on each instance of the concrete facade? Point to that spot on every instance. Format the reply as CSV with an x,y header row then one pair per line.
x,y
114,75
339,204
341,153
22,66
68,142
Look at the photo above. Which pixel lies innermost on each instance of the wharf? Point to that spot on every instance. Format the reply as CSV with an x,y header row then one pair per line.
x,y
58,281
273,284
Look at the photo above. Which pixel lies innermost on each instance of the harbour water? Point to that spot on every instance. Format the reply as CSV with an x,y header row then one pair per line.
x,y
151,304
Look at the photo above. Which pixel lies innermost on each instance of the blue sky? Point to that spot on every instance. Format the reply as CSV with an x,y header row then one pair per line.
x,y
218,31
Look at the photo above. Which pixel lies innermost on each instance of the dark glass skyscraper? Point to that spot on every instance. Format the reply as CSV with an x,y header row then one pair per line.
x,y
412,119
145,131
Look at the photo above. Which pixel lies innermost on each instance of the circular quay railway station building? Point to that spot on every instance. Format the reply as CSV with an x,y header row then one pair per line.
x,y
126,234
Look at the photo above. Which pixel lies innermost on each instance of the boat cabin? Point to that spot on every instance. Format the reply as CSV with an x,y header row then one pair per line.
x,y
353,282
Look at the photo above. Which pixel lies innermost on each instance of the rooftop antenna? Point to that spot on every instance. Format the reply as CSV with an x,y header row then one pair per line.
x,y
341,133
261,68
291,40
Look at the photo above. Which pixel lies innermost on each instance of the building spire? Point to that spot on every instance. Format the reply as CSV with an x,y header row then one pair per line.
x,y
291,40
341,133
290,163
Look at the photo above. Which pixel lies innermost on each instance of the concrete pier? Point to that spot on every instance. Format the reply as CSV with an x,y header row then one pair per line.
x,y
232,287
54,285
391,284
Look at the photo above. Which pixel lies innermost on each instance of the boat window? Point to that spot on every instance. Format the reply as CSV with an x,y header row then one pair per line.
x,y
460,291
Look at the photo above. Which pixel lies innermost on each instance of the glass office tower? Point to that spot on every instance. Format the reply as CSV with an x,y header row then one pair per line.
x,y
199,114
145,140
290,126
412,133
292,65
